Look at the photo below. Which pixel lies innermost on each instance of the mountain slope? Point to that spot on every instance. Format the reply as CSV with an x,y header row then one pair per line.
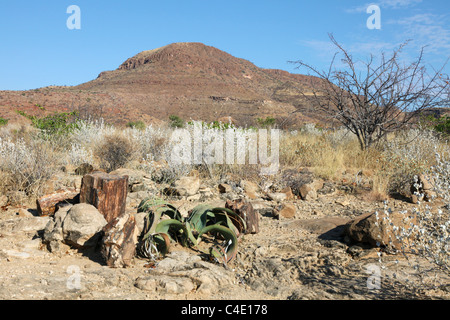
x,y
191,80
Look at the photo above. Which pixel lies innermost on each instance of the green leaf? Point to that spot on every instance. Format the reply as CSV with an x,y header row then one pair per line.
x,y
230,243
178,229
198,217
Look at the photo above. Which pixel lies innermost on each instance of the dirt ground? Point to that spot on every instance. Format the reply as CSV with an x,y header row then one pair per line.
x,y
289,259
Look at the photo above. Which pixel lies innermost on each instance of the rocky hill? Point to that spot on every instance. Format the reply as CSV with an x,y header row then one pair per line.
x,y
191,80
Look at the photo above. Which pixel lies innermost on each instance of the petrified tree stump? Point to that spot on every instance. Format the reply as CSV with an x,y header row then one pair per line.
x,y
119,241
245,210
48,204
106,192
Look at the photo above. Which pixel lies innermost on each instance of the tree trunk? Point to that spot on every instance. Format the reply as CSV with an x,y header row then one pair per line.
x,y
106,192
245,210
48,204
119,241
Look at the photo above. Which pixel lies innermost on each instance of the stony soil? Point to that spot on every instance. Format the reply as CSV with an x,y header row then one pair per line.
x,y
288,259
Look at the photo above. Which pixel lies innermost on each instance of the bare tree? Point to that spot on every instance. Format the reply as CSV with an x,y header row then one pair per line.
x,y
371,98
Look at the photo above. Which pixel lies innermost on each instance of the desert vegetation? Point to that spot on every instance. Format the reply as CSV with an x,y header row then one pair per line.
x,y
48,151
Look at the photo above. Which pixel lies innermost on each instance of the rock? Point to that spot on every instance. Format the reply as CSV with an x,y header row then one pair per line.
x,y
205,193
225,188
288,192
3,200
262,207
376,230
251,189
184,187
137,180
140,220
423,189
277,196
82,225
53,233
27,225
47,205
106,192
21,212
245,210
426,182
343,202
160,171
182,273
308,192
166,284
119,241
249,186
83,169
285,210
327,228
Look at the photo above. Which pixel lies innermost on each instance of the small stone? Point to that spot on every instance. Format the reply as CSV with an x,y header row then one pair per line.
x,y
225,188
285,210
277,196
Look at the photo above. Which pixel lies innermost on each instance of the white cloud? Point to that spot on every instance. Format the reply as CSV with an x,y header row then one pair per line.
x,y
386,4
428,29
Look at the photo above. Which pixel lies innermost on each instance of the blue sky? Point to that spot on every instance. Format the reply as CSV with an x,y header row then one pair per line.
x,y
37,48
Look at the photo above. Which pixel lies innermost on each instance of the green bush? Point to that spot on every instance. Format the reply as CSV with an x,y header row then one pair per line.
x,y
60,123
140,125
266,123
3,122
439,124
176,121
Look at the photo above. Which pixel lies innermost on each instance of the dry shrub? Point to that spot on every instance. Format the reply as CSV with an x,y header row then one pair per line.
x,y
315,151
26,166
114,151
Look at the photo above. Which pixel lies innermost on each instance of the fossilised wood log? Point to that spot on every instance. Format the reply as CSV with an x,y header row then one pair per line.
x,y
245,210
106,192
48,204
119,241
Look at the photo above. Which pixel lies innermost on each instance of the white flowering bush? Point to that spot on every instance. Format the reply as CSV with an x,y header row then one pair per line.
x,y
424,233
78,154
25,166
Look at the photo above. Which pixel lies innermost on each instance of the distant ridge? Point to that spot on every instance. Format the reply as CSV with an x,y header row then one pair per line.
x,y
189,79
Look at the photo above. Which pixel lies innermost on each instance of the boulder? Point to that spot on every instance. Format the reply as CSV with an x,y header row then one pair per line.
x,y
82,225
381,229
